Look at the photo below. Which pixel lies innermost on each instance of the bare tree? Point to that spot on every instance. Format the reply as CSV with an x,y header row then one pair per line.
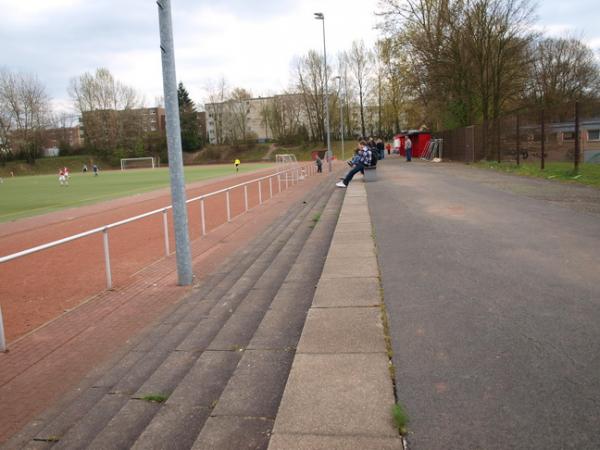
x,y
284,117
360,60
310,79
218,92
24,113
238,109
562,69
108,111
469,58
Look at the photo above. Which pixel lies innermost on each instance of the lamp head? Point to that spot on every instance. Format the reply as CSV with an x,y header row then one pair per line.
x,y
319,16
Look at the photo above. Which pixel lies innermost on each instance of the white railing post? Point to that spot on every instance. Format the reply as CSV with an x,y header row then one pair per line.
x,y
246,197
2,338
107,258
228,206
166,232
259,193
279,183
202,217
270,187
287,175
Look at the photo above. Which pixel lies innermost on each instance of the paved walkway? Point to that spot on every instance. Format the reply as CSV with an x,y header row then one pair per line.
x,y
339,394
492,286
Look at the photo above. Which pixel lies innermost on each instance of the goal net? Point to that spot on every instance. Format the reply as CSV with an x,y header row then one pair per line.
x,y
146,162
286,161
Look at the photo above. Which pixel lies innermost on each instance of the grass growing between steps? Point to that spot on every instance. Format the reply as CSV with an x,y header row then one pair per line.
x,y
398,413
155,398
315,219
400,419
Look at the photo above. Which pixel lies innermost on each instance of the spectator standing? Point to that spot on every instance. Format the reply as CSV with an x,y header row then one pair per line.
x,y
380,148
408,148
388,147
319,163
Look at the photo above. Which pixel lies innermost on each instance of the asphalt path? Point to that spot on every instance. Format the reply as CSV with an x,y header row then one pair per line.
x,y
492,286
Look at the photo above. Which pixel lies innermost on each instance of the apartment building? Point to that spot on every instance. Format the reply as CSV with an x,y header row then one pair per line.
x,y
72,136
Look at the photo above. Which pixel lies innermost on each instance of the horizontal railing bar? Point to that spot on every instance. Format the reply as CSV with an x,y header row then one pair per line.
x,y
68,239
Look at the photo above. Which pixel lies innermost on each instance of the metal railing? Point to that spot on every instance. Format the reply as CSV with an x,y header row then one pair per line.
x,y
291,176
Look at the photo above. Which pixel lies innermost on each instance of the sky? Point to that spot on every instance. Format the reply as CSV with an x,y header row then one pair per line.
x,y
252,44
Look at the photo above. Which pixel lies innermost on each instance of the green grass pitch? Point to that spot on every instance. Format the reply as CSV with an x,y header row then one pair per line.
x,y
32,195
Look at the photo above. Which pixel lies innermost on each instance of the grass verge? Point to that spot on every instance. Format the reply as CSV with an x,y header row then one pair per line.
x,y
589,174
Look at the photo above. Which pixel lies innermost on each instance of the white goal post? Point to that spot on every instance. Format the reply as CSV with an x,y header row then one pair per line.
x,y
144,162
287,161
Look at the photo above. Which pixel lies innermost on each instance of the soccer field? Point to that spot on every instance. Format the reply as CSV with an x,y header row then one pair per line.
x,y
28,196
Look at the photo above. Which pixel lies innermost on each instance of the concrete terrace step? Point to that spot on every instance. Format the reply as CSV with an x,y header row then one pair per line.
x,y
190,355
339,393
245,413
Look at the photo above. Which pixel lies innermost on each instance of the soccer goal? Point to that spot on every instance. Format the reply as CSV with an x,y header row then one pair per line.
x,y
287,162
146,162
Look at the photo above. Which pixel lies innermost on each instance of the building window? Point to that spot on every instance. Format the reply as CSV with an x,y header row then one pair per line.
x,y
568,135
594,135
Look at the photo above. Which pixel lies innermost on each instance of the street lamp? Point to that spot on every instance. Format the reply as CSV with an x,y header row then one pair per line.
x,y
321,16
341,113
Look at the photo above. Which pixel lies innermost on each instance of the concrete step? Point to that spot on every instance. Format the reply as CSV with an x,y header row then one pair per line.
x,y
244,412
163,356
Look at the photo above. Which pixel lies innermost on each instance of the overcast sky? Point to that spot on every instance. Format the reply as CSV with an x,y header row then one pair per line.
x,y
251,43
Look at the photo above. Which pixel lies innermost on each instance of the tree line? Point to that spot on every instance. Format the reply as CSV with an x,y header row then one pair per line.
x,y
438,64
114,122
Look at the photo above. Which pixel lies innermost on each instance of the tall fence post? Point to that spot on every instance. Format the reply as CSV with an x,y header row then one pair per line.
x,y
202,218
497,139
228,206
543,141
270,187
259,193
2,338
166,232
518,140
107,258
279,183
577,144
246,197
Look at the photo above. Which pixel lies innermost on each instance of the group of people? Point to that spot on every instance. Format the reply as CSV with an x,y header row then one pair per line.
x,y
64,176
366,155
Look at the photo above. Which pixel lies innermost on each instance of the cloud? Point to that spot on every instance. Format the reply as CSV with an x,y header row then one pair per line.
x,y
251,43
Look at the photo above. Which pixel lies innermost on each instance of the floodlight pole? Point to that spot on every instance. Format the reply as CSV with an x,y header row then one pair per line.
x,y
321,16
339,78
180,219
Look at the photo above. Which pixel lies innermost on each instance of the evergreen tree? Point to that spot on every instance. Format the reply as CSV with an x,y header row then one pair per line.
x,y
188,121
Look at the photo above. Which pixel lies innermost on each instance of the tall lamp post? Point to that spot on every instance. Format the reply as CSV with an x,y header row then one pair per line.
x,y
341,114
321,16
